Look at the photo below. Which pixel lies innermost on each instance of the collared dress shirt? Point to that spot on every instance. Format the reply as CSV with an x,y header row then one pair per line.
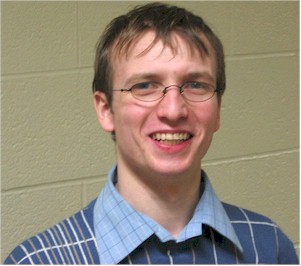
x,y
110,231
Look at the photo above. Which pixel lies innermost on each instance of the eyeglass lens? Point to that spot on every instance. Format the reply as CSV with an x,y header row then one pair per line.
x,y
192,91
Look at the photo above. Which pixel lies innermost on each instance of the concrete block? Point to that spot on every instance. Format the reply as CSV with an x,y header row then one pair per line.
x,y
38,36
264,27
259,108
50,131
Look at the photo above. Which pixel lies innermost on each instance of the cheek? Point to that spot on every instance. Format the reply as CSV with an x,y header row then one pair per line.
x,y
208,118
129,118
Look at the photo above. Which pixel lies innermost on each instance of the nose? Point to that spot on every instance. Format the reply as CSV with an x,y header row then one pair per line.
x,y
172,106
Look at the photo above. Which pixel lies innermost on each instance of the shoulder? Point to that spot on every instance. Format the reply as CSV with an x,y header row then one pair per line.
x,y
71,241
237,214
260,237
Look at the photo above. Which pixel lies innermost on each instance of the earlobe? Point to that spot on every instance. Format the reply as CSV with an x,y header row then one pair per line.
x,y
103,111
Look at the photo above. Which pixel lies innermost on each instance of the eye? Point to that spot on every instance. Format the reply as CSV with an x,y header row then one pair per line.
x,y
145,86
146,89
196,85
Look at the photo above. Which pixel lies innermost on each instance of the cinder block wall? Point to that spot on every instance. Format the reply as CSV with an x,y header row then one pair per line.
x,y
55,156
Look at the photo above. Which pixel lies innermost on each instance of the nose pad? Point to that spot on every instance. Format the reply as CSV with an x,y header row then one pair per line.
x,y
172,108
181,90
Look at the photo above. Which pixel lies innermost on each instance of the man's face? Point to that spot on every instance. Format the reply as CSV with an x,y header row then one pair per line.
x,y
141,127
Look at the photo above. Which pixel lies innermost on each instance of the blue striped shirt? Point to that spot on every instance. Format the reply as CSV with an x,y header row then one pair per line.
x,y
110,231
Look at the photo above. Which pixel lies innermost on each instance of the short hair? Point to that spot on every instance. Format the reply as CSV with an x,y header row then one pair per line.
x,y
163,20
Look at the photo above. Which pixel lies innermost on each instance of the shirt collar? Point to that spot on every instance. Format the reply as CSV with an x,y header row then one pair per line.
x,y
120,229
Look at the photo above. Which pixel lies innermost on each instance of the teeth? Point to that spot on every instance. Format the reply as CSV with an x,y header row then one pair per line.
x,y
171,136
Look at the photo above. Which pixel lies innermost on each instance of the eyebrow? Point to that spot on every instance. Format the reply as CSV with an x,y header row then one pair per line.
x,y
142,76
197,75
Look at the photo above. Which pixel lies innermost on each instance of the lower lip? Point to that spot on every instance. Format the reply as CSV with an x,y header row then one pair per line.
x,y
172,148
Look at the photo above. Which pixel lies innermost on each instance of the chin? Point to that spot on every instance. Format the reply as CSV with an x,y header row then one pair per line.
x,y
175,170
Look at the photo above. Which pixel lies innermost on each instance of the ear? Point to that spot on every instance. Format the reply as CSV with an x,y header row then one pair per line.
x,y
103,111
218,117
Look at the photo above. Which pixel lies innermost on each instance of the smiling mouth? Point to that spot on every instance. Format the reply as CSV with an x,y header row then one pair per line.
x,y
171,138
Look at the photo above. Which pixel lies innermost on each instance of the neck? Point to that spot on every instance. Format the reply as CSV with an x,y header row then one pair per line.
x,y
170,201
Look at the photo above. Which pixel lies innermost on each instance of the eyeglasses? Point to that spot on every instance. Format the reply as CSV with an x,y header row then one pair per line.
x,y
194,91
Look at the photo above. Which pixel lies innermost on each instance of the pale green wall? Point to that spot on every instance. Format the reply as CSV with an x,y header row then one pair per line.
x,y
55,156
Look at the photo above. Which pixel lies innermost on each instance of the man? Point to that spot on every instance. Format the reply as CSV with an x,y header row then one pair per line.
x,y
159,79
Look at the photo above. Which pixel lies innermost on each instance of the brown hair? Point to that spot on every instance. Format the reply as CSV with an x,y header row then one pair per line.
x,y
163,20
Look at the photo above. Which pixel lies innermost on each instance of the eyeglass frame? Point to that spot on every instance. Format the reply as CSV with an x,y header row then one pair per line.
x,y
164,91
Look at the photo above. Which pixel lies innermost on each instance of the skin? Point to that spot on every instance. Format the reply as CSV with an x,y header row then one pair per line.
x,y
160,179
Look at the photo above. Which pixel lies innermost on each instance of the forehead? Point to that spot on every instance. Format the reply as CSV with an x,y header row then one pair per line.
x,y
177,57
142,44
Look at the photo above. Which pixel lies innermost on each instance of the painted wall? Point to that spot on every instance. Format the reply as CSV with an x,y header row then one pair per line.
x,y
55,156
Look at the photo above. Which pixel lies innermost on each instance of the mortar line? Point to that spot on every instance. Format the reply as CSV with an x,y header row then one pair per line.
x,y
47,73
54,184
102,176
228,57
249,157
231,57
